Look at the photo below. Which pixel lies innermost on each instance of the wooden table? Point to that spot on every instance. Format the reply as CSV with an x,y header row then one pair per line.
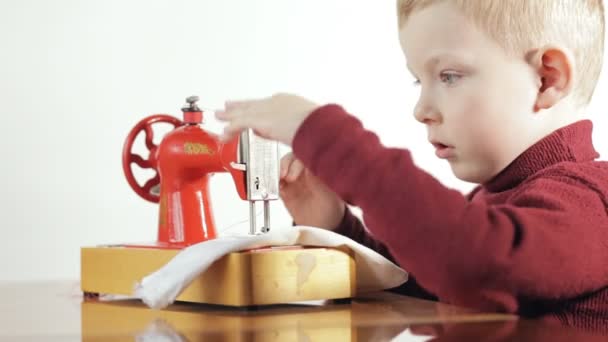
x,y
57,312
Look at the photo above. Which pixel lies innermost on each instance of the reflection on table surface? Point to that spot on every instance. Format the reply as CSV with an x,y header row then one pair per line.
x,y
57,311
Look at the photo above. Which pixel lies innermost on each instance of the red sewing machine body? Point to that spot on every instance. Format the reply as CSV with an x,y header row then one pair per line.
x,y
184,161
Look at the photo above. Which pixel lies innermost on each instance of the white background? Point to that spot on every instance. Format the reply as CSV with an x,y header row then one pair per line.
x,y
75,77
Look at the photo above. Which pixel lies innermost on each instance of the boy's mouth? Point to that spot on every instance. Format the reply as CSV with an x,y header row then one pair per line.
x,y
443,151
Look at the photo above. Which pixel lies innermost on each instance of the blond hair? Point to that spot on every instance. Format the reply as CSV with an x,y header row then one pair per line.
x,y
521,25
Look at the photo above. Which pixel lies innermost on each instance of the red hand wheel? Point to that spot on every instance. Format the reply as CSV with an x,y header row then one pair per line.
x,y
150,190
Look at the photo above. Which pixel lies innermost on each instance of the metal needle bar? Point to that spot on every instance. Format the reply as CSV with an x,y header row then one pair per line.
x,y
266,216
252,224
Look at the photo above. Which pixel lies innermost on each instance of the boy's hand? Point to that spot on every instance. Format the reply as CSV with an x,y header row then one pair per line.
x,y
276,118
307,199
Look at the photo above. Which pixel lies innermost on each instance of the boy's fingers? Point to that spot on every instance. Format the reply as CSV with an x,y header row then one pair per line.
x,y
231,104
232,130
245,106
295,170
290,191
232,109
221,114
282,189
285,162
230,114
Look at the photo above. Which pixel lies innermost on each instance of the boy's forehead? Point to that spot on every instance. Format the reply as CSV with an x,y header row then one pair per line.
x,y
439,32
437,26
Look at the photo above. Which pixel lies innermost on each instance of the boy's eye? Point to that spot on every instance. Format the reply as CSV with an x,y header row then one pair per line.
x,y
449,77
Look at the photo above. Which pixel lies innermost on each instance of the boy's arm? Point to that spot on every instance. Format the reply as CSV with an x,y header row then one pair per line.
x,y
354,229
541,247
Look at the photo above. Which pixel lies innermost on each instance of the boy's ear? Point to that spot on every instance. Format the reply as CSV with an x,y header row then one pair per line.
x,y
554,68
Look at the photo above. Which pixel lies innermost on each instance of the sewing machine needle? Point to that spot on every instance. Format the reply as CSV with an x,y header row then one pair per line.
x,y
252,217
266,216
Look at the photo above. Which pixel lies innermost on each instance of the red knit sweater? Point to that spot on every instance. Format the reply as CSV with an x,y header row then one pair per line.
x,y
532,241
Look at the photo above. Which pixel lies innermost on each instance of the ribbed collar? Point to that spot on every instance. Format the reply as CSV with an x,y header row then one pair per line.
x,y
569,143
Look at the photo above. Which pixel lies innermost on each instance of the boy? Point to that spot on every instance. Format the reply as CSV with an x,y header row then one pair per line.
x,y
503,89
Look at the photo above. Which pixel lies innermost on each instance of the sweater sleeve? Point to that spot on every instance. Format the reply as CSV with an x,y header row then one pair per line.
x,y
354,229
467,253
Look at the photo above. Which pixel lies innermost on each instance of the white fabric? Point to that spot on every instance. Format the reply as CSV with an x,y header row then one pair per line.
x,y
159,289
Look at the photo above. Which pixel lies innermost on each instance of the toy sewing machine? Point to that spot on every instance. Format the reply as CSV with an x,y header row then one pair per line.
x,y
184,161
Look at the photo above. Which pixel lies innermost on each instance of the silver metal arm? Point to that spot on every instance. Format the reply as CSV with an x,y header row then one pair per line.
x,y
261,159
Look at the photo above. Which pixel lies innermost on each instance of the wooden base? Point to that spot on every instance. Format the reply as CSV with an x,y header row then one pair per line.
x,y
258,277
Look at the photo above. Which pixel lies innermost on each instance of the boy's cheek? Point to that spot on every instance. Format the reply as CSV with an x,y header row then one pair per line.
x,y
486,104
464,108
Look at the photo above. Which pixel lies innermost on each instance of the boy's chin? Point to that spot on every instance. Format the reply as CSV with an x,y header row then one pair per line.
x,y
470,173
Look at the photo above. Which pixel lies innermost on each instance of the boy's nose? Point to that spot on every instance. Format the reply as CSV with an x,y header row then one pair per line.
x,y
426,114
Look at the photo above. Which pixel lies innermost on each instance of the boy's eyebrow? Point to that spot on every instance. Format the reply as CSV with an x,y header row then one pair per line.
x,y
436,58
432,61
